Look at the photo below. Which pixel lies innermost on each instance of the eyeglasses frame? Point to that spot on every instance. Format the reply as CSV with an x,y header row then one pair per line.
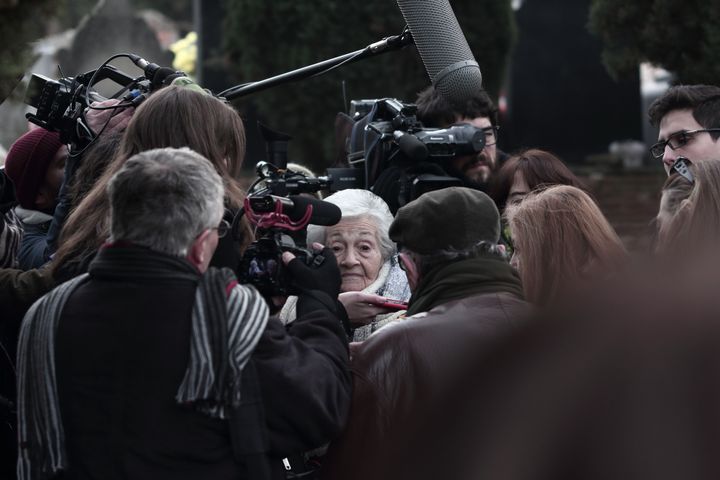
x,y
666,143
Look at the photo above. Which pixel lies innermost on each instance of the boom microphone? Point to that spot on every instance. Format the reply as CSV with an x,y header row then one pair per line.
x,y
158,76
443,49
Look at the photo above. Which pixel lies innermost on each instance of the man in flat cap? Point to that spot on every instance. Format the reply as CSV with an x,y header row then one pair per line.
x,y
465,297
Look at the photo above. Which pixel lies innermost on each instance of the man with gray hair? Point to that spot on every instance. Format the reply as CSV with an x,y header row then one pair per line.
x,y
465,296
153,365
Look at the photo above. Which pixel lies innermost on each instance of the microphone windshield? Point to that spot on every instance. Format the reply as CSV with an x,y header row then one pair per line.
x,y
443,49
324,213
161,75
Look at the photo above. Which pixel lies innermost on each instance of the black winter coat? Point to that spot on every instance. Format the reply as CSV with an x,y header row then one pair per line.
x,y
122,348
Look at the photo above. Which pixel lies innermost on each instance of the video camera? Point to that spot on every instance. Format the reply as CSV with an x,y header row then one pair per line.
x,y
61,103
280,209
396,157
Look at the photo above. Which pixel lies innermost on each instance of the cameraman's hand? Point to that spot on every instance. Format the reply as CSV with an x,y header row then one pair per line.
x,y
361,307
323,274
117,119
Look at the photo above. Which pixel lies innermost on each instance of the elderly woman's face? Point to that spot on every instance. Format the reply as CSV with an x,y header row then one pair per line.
x,y
355,244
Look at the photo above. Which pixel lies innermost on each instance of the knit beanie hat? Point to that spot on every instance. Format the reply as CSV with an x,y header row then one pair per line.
x,y
27,162
456,218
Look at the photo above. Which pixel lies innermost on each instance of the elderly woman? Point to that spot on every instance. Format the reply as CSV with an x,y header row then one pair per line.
x,y
367,259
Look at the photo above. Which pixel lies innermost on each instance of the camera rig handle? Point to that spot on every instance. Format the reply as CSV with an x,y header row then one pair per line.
x,y
275,219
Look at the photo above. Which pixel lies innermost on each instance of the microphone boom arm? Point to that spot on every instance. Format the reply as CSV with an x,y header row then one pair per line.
x,y
388,44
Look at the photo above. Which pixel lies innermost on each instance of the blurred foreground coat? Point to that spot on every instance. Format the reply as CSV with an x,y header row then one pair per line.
x,y
619,382
400,370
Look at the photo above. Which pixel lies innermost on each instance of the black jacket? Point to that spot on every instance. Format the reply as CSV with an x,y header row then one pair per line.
x,y
122,349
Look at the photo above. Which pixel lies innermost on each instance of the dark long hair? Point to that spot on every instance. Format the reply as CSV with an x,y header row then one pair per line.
x,y
173,117
538,167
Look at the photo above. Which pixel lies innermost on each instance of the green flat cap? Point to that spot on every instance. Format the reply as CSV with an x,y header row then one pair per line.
x,y
455,218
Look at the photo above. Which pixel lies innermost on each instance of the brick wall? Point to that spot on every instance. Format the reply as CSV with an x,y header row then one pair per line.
x,y
630,201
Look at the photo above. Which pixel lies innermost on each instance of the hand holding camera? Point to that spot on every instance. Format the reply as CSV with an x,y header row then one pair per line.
x,y
320,272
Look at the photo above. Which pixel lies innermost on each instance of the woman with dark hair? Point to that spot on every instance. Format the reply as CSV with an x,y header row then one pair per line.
x,y
172,117
521,174
561,238
525,171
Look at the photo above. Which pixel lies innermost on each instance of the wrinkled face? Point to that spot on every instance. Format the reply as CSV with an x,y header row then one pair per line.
x,y
479,167
696,147
357,248
518,190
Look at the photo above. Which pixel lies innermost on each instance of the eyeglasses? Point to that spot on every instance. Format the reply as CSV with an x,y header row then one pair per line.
x,y
223,228
491,135
677,140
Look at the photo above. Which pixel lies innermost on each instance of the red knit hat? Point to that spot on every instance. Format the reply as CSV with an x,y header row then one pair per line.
x,y
27,162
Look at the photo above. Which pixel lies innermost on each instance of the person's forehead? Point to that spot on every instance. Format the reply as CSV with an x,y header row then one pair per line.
x,y
356,228
676,121
479,122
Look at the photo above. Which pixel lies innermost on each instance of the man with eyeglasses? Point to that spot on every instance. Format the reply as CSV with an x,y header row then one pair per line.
x,y
435,112
153,365
689,121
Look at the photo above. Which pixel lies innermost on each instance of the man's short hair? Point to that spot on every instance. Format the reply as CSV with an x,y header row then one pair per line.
x,y
434,111
703,100
164,198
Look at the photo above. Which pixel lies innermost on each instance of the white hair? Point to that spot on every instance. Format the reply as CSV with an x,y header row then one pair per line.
x,y
357,203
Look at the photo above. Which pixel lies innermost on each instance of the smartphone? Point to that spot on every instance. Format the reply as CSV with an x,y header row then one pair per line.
x,y
393,305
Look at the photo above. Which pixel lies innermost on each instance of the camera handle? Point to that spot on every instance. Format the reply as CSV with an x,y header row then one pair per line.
x,y
387,44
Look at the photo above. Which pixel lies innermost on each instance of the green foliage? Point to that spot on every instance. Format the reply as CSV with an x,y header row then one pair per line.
x,y
69,13
19,26
27,22
266,38
678,35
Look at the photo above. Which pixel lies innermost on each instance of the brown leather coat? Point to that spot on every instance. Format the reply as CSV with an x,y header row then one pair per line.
x,y
400,370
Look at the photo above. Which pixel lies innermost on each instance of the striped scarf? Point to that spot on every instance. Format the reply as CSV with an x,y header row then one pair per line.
x,y
227,322
11,232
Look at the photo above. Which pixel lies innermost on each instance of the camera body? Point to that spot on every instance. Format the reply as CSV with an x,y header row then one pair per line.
x,y
262,265
60,103
400,159
281,210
